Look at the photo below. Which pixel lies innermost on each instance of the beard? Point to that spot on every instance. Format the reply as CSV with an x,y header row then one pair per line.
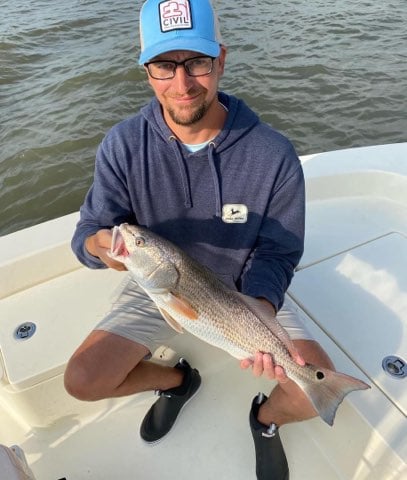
x,y
187,116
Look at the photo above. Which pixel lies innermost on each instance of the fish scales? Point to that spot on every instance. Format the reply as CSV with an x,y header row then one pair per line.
x,y
224,320
192,298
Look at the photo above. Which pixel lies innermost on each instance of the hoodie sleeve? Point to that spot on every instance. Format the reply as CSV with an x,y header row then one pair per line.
x,y
280,242
106,203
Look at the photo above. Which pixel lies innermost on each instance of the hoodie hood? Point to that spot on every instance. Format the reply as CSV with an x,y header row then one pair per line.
x,y
240,119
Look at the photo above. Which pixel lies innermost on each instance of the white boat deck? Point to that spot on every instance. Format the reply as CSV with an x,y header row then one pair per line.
x,y
210,440
351,286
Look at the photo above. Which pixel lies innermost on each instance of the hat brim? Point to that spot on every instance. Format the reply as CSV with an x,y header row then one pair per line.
x,y
199,45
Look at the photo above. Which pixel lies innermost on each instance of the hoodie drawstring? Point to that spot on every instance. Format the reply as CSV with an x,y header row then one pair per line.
x,y
183,172
215,178
184,176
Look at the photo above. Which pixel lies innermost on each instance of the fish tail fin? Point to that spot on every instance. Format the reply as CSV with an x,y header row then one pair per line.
x,y
327,393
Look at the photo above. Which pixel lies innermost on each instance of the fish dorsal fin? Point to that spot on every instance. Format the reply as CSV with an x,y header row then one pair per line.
x,y
171,322
180,305
265,313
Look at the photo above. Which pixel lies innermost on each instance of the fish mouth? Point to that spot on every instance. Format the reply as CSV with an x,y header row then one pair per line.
x,y
118,246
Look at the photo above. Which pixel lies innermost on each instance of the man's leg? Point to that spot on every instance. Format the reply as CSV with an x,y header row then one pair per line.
x,y
111,362
107,365
287,403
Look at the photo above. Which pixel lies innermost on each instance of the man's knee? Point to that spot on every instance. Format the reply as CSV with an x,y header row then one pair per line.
x,y
79,383
313,353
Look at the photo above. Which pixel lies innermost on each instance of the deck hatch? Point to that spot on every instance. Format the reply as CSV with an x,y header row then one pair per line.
x,y
359,299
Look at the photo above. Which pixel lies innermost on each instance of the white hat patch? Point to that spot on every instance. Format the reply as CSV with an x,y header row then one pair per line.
x,y
175,15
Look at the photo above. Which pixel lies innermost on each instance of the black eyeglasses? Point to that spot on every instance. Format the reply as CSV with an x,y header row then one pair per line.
x,y
165,69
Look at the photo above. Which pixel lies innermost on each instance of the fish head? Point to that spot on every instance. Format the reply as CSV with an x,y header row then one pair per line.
x,y
150,259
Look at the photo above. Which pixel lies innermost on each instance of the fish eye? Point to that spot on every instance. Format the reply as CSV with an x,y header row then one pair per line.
x,y
139,241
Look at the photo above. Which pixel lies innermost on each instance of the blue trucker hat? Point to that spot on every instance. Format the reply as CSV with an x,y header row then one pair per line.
x,y
171,25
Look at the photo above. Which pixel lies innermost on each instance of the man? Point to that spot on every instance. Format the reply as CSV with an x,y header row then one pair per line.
x,y
198,167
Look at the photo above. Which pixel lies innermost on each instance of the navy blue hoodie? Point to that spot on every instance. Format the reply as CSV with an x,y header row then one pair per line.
x,y
237,205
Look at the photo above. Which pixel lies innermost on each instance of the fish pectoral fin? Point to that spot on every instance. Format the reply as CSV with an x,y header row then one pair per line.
x,y
266,314
171,322
181,305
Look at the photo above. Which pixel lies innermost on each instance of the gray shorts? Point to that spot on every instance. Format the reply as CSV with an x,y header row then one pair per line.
x,y
134,316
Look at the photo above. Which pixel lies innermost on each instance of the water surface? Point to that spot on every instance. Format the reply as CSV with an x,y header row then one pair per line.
x,y
328,74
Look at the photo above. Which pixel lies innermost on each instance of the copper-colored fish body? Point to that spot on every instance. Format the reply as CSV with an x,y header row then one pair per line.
x,y
192,298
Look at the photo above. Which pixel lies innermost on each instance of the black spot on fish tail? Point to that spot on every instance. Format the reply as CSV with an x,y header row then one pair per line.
x,y
328,392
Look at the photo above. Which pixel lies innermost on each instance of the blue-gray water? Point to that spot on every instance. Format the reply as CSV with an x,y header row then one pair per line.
x,y
329,74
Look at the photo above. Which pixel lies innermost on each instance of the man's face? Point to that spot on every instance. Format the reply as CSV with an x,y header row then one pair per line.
x,y
186,100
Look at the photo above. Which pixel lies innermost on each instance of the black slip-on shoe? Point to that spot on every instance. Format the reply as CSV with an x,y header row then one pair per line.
x,y
162,415
271,462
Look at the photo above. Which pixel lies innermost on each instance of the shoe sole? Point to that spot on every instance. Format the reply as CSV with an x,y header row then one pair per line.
x,y
176,421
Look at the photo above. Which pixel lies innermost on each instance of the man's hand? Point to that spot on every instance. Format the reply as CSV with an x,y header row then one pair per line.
x,y
263,364
99,245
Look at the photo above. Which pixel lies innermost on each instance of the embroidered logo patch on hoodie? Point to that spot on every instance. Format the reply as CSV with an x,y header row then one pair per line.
x,y
234,213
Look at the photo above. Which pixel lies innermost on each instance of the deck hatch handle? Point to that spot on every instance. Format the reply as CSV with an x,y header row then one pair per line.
x,y
25,330
396,367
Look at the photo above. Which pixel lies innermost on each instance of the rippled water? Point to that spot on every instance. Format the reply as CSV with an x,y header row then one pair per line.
x,y
328,74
